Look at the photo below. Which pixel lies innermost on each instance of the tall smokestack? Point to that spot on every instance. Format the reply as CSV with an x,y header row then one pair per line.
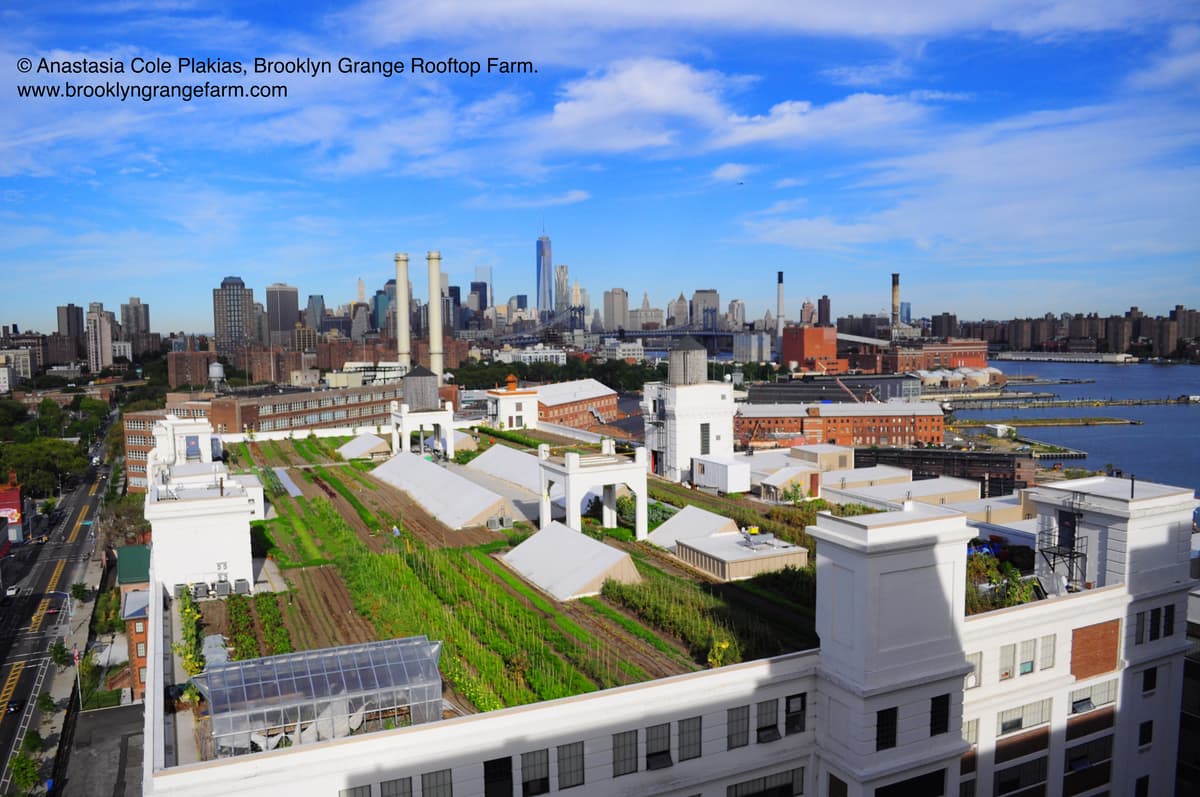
x,y
779,313
403,304
434,259
895,304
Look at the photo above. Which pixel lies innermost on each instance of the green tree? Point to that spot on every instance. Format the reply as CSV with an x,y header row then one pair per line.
x,y
46,703
79,591
42,464
33,742
25,772
60,655
50,418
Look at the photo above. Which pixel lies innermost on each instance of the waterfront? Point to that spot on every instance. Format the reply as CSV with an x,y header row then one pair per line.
x,y
1164,448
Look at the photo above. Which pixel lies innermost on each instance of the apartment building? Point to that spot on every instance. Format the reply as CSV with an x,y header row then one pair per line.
x,y
900,424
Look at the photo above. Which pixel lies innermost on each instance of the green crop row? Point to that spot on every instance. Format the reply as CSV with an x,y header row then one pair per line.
x,y
364,514
241,628
305,449
632,626
270,620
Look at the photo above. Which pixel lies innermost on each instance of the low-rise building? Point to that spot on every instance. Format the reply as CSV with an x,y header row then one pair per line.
x,y
883,424
580,403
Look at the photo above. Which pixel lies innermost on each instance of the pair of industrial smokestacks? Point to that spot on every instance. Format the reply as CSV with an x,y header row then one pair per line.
x,y
403,345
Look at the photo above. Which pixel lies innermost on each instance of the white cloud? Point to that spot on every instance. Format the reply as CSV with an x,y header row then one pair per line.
x,y
790,182
1079,185
731,172
796,123
511,201
390,21
868,74
1178,66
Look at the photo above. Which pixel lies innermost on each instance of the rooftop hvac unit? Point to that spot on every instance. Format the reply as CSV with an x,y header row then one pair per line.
x,y
241,586
224,588
199,591
180,589
493,524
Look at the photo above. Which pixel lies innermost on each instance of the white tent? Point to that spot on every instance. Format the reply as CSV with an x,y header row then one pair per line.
x,y
688,523
364,446
568,564
450,498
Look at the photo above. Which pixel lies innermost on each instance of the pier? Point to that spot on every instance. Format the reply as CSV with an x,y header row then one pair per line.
x,y
1025,403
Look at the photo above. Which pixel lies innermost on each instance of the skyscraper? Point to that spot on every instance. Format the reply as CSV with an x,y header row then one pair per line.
x,y
135,318
283,312
616,309
737,315
233,315
824,317
545,289
99,338
70,321
484,274
562,290
314,316
706,307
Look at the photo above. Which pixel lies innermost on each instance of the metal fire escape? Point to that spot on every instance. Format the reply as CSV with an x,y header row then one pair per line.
x,y
1062,546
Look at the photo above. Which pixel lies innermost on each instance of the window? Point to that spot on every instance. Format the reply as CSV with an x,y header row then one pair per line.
x,y
1089,754
141,675
139,627
767,727
625,754
437,784
1140,635
704,430
498,778
1155,623
141,650
782,783
658,746
1008,661
689,738
1028,650
794,710
1146,733
971,679
970,732
966,788
1088,698
1141,787
400,787
737,727
1169,619
1022,776
1027,716
1149,680
535,773
570,765
939,715
1047,653
356,791
885,729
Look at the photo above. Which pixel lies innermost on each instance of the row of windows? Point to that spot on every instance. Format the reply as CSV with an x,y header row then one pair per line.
x,y
334,400
1153,624
1014,660
535,765
1027,716
887,721
1094,696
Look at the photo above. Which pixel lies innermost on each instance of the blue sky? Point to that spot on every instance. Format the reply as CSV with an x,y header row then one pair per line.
x,y
1007,158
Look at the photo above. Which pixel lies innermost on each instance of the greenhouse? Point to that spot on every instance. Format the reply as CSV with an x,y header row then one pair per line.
x,y
317,695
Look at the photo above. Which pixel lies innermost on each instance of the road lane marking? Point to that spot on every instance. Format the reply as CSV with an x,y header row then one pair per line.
x,y
10,686
78,524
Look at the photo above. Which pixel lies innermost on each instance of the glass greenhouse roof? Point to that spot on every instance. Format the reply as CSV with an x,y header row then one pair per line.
x,y
320,694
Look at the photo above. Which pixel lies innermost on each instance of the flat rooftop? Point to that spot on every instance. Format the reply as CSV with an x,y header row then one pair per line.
x,y
731,546
1110,487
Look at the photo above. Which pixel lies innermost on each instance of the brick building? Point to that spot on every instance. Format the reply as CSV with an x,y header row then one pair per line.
x,y
133,578
814,348
897,424
353,406
929,356
188,367
581,404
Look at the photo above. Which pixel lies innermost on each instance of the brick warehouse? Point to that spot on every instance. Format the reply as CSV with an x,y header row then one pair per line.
x,y
906,424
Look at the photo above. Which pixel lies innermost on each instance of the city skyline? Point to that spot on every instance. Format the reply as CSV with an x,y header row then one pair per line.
x,y
1037,157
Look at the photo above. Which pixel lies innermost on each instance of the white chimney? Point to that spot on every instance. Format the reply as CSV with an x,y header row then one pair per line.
x,y
434,258
403,303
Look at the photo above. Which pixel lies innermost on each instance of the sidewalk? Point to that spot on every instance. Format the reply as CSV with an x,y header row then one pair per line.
x,y
61,684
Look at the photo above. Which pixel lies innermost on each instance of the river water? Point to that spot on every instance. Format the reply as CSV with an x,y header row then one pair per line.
x,y
1165,448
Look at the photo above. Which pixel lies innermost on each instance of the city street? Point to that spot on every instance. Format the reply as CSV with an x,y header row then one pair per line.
x,y
40,611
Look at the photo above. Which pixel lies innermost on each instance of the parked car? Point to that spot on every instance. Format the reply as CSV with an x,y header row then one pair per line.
x,y
12,591
15,707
